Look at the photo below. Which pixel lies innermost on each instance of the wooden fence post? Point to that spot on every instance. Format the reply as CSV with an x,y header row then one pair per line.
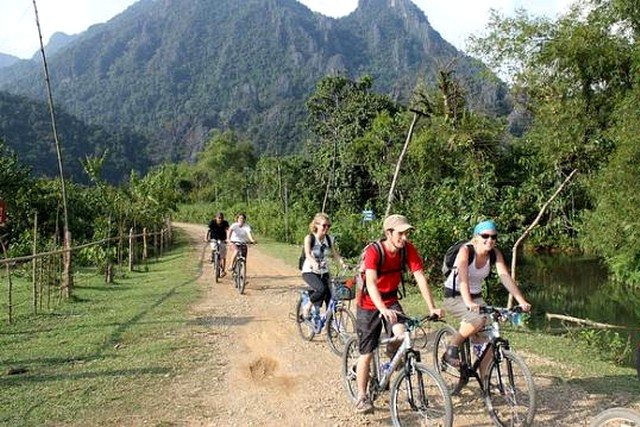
x,y
34,264
144,244
67,273
10,285
131,249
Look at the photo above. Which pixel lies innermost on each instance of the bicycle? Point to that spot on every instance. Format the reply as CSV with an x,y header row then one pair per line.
x,y
339,320
418,395
216,259
616,417
239,267
507,387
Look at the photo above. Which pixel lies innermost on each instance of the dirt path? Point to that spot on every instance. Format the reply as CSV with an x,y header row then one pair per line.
x,y
253,368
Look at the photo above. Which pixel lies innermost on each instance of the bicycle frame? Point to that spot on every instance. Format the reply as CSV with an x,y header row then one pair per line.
x,y
496,345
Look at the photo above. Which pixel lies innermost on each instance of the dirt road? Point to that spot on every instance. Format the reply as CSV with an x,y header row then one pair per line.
x,y
253,368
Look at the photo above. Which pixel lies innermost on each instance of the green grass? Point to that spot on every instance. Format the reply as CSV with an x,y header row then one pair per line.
x,y
102,352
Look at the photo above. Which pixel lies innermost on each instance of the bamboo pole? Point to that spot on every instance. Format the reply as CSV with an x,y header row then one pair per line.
x,y
397,171
514,252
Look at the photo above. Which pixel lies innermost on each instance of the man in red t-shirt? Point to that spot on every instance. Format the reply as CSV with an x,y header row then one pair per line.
x,y
380,301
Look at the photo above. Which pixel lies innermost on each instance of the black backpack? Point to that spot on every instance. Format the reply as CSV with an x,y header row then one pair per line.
x,y
452,253
303,256
378,247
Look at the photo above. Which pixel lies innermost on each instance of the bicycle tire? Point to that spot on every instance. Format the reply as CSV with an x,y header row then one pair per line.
x,y
514,402
419,396
216,267
616,417
305,327
341,325
241,275
350,357
450,375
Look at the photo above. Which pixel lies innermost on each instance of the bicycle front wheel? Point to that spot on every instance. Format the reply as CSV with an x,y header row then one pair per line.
x,y
449,374
420,398
216,268
241,275
305,326
341,325
350,357
616,417
510,394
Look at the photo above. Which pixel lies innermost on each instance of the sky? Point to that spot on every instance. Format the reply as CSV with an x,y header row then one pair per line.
x,y
455,20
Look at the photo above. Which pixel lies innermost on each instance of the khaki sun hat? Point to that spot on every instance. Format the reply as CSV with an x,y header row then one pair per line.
x,y
396,222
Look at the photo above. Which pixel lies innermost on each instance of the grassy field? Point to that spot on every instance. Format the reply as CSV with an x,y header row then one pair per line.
x,y
104,352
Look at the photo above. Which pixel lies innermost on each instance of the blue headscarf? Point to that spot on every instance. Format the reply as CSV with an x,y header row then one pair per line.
x,y
487,225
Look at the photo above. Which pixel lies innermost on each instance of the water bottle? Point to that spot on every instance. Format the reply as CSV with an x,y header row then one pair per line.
x,y
385,368
479,348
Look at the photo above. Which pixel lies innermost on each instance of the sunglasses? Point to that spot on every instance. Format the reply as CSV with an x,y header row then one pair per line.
x,y
325,225
489,236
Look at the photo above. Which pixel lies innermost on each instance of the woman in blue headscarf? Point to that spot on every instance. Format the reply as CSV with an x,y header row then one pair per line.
x,y
463,286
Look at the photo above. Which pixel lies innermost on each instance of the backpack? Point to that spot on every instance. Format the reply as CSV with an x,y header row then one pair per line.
x,y
303,256
451,254
362,280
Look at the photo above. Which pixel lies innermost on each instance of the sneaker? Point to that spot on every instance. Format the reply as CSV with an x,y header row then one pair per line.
x,y
452,357
222,274
364,406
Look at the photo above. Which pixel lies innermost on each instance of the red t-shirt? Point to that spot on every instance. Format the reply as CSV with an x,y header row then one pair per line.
x,y
388,282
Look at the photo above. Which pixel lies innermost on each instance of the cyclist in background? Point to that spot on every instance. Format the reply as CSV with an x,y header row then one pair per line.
x,y
318,246
218,228
239,232
378,302
463,286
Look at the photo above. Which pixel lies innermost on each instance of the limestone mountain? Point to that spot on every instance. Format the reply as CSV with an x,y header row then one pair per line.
x,y
175,69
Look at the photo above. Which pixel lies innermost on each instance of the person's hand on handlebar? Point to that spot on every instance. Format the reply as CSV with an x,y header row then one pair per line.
x,y
390,315
473,307
438,313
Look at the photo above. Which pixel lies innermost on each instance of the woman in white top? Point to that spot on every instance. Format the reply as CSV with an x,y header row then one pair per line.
x,y
463,286
318,246
239,232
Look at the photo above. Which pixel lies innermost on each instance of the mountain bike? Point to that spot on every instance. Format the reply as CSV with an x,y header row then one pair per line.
x,y
418,395
216,259
339,320
616,417
507,385
239,267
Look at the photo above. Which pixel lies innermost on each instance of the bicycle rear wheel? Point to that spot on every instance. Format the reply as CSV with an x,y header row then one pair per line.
x,y
305,326
241,275
350,357
510,394
616,417
216,267
420,398
449,374
341,325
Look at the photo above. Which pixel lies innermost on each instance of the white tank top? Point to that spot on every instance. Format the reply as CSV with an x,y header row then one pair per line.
x,y
476,277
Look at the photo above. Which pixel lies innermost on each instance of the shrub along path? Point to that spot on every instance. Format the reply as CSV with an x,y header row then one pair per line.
x,y
251,368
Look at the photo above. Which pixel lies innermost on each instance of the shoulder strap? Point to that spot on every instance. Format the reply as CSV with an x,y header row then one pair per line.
x,y
329,241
